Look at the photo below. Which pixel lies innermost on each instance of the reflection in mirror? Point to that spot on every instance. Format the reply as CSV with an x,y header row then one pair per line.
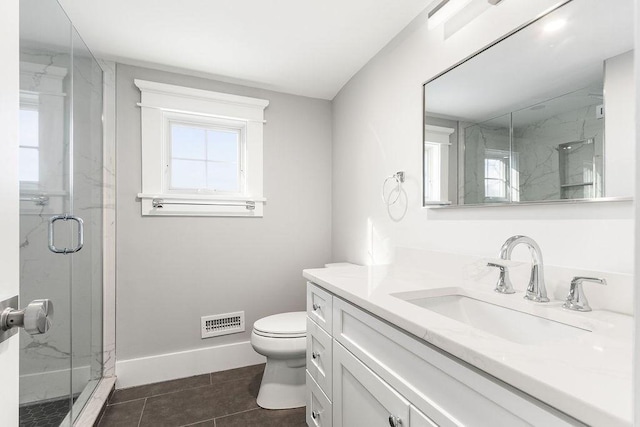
x,y
524,120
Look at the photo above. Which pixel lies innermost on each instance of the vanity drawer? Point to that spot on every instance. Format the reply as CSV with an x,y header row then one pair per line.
x,y
320,306
447,391
319,356
319,411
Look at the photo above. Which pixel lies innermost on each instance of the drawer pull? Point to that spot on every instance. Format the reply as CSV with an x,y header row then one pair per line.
x,y
394,421
315,415
316,307
315,355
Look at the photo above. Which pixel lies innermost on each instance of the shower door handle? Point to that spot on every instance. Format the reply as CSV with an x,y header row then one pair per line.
x,y
66,217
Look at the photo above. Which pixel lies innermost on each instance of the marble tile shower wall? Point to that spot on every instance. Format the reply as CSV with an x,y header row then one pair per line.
x,y
537,148
478,138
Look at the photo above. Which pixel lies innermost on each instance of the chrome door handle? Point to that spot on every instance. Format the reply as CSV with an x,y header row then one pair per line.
x,y
36,318
66,217
315,355
315,307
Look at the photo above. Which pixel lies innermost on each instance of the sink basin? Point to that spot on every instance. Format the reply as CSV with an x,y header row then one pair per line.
x,y
508,323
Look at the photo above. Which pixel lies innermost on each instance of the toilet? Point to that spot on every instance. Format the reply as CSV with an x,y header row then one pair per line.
x,y
282,338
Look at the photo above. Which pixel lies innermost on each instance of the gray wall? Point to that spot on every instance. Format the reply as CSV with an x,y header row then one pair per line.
x,y
172,270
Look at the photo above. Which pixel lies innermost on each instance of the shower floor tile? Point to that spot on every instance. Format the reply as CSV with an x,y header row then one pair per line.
x,y
218,399
46,414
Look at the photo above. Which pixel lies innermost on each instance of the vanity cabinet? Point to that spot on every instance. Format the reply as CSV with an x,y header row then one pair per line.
x,y
366,372
364,399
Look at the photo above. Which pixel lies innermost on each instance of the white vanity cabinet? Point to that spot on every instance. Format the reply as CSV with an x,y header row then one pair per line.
x,y
366,372
362,398
319,357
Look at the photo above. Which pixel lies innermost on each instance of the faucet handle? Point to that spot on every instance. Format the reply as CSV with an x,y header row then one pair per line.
x,y
503,285
577,300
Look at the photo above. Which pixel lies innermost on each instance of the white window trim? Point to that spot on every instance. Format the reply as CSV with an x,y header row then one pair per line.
x,y
161,102
438,136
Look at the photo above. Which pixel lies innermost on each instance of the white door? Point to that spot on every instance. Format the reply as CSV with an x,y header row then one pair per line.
x,y
9,278
361,398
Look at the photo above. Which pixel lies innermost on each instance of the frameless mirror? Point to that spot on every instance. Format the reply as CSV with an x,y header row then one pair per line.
x,y
544,114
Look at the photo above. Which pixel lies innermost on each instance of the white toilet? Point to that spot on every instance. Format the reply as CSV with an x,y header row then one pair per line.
x,y
282,338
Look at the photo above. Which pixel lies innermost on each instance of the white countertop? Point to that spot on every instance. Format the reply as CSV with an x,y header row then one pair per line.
x,y
589,378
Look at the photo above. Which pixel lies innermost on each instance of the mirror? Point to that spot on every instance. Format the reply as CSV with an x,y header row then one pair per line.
x,y
545,114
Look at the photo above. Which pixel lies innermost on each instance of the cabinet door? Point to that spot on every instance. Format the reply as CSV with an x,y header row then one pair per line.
x,y
360,397
418,419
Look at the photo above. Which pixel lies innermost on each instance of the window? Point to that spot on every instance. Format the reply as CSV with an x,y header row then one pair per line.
x,y
42,139
437,140
29,168
432,160
201,152
206,158
500,172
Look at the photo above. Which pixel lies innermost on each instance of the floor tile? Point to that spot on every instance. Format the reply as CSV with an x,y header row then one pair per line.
x,y
265,418
202,403
208,423
149,390
122,415
235,374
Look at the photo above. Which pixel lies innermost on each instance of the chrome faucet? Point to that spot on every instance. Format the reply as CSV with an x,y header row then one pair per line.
x,y
536,290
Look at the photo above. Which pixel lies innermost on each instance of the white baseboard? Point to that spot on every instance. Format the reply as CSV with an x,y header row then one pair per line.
x,y
50,385
170,366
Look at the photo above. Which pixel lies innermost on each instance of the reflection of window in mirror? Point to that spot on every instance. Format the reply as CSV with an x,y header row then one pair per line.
x,y
501,176
432,160
437,141
29,165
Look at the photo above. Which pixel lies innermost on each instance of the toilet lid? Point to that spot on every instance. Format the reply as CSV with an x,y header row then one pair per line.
x,y
285,324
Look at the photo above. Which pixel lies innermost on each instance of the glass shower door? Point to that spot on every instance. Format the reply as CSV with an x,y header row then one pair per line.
x,y
87,200
45,108
60,175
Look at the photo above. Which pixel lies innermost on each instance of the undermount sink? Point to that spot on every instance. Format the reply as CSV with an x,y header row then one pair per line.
x,y
508,323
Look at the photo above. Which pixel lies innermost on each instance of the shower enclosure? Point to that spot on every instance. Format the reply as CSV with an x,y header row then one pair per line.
x,y
61,174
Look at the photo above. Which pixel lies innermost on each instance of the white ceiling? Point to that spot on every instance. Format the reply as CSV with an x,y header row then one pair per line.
x,y
309,48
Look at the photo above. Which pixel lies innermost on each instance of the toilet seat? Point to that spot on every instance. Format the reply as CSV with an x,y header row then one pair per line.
x,y
283,325
276,335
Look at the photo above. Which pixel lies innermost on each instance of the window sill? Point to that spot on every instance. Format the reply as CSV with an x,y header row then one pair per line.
x,y
201,205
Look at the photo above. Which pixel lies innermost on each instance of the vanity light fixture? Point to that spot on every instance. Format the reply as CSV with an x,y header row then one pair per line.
x,y
445,10
555,25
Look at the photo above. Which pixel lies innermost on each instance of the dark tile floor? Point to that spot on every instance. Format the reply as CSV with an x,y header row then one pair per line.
x,y
219,399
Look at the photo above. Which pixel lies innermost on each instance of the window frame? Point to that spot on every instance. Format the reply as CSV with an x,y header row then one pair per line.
x,y
435,158
511,180
46,83
30,102
162,103
207,124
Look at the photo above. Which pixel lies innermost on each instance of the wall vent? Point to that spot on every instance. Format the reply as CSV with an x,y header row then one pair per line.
x,y
222,324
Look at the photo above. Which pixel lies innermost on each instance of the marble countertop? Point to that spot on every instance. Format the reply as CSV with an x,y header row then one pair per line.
x,y
589,378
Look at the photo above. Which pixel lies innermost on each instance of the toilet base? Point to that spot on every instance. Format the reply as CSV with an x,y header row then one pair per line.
x,y
283,384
